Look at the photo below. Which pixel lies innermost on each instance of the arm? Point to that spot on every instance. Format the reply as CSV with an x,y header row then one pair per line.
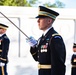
x,y
58,55
5,48
34,52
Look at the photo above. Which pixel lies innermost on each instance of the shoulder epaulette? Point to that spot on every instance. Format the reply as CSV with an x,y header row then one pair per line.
x,y
56,35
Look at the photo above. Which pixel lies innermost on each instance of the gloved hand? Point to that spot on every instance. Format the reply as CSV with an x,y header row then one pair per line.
x,y
2,64
32,42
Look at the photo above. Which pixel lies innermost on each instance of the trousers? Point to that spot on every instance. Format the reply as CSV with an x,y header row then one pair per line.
x,y
3,70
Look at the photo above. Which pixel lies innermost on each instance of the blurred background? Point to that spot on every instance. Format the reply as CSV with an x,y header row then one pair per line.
x,y
22,14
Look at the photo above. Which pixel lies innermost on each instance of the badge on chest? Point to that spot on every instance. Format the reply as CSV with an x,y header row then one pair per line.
x,y
44,48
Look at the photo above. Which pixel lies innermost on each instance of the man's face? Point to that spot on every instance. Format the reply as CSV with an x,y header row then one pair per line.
x,y
2,31
74,49
44,23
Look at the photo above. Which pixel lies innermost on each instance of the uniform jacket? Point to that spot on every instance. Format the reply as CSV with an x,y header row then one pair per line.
x,y
50,51
73,63
4,47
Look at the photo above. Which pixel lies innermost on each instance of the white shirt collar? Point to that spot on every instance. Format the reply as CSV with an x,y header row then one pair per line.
x,y
1,34
46,30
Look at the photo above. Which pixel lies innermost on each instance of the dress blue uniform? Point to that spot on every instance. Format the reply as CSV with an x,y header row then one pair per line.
x,y
4,47
73,61
50,52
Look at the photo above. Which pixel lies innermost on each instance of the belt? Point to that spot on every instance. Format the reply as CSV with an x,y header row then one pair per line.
x,y
44,66
73,65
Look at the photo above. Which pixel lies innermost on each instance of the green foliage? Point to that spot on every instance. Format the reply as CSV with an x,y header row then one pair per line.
x,y
57,4
30,3
17,2
14,3
1,2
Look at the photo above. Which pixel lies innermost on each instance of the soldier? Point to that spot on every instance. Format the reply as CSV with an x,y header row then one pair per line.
x,y
50,50
73,61
4,47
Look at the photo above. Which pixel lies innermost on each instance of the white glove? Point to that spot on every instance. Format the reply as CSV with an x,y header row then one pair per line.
x,y
31,41
2,64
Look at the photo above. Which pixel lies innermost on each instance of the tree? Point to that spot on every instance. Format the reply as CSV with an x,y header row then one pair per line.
x,y
57,4
30,3
17,2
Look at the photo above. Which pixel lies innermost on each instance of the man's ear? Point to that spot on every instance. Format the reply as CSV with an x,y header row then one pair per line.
x,y
50,21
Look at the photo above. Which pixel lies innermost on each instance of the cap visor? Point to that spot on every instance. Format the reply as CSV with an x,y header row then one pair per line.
x,y
41,16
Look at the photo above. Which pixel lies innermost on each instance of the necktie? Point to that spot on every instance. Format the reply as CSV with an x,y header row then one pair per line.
x,y
42,38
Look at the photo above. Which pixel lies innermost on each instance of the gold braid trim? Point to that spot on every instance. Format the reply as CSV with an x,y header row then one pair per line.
x,y
55,34
3,59
34,53
73,65
0,50
2,70
44,66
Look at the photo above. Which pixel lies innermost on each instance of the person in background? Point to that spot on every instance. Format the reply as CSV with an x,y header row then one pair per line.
x,y
4,47
49,51
73,60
